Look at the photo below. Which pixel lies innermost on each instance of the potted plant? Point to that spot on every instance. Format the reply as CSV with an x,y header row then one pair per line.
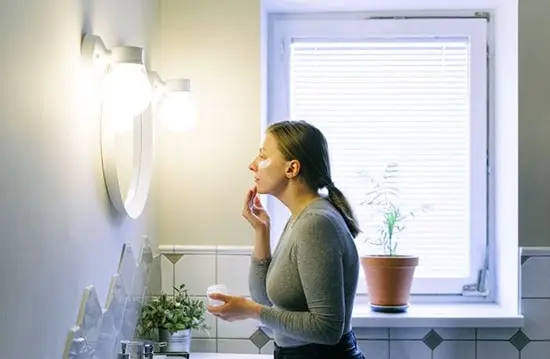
x,y
389,275
170,319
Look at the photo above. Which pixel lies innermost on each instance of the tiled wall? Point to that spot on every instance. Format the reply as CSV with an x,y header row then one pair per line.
x,y
99,328
199,267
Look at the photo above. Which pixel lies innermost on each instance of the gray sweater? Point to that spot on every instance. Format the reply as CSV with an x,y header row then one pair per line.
x,y
308,286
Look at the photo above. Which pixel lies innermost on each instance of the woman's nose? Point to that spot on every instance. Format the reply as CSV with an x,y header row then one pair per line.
x,y
252,166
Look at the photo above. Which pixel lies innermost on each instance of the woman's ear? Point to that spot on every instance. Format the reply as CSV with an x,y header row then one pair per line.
x,y
293,169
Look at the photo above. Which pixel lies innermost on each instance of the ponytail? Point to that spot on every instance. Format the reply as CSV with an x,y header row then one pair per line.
x,y
338,200
299,140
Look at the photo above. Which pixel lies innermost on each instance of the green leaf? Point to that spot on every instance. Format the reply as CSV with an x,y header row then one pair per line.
x,y
382,199
177,312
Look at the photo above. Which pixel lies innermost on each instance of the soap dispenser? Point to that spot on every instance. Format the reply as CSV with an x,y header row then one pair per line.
x,y
123,350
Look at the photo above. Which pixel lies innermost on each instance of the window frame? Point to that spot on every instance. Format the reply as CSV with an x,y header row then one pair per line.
x,y
281,32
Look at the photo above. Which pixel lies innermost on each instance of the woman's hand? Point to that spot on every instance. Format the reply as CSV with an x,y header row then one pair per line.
x,y
254,211
234,308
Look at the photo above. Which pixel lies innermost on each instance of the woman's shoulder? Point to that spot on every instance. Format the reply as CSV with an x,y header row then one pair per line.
x,y
321,218
323,210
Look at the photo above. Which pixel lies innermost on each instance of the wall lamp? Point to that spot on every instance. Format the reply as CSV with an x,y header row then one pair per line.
x,y
132,97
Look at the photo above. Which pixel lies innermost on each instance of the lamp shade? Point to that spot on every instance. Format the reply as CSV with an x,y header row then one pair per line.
x,y
178,111
127,89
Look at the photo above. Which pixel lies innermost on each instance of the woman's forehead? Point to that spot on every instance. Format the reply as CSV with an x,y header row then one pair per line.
x,y
269,144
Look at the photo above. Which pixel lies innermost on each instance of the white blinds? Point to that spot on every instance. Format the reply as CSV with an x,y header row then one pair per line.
x,y
405,101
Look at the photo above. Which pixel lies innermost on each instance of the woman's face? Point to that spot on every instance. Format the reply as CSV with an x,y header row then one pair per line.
x,y
269,168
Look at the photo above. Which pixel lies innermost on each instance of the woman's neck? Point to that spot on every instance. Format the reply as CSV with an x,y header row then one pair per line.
x,y
296,198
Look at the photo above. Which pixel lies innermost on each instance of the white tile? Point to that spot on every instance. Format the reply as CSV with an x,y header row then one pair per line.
x,y
154,280
268,348
537,318
456,333
197,272
167,275
239,346
494,349
445,333
409,349
535,281
238,329
233,272
536,350
455,350
408,333
372,333
209,320
496,333
376,349
203,345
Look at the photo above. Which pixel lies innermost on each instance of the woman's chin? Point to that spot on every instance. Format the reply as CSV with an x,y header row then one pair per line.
x,y
260,190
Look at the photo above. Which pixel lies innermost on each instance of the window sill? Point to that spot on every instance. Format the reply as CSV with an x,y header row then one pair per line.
x,y
430,315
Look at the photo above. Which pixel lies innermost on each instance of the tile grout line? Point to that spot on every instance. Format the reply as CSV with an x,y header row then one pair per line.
x,y
173,272
389,344
216,281
475,343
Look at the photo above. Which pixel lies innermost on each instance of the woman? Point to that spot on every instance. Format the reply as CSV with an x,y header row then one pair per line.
x,y
306,290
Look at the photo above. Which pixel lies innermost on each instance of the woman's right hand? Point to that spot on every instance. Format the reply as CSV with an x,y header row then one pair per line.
x,y
254,212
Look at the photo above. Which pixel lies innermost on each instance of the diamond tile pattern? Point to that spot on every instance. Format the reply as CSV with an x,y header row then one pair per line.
x,y
519,340
259,338
173,257
432,339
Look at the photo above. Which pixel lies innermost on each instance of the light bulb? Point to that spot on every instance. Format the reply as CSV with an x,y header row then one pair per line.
x,y
178,111
127,90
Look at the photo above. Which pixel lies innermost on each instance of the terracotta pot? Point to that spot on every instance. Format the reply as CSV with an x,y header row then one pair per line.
x,y
389,280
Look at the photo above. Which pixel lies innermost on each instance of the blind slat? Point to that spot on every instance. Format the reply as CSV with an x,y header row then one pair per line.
x,y
396,101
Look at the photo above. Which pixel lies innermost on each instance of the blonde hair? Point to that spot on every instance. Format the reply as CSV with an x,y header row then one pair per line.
x,y
299,140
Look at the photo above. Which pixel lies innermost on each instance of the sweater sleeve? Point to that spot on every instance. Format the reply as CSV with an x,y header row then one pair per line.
x,y
320,267
257,280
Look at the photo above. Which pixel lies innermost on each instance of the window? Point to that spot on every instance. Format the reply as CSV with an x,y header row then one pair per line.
x,y
411,92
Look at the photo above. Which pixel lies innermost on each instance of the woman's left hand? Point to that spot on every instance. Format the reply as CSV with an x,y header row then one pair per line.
x,y
234,308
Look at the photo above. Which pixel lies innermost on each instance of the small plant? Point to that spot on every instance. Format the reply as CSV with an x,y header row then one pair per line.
x,y
383,201
173,313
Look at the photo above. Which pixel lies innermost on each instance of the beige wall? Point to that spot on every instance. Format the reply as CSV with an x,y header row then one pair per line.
x,y
57,230
534,123
202,174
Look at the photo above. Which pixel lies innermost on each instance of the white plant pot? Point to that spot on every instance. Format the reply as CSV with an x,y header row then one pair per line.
x,y
178,342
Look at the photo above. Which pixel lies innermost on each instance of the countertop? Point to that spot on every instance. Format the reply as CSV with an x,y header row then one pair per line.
x,y
223,356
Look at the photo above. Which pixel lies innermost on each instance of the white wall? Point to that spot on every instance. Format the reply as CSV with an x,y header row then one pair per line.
x,y
58,232
202,174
